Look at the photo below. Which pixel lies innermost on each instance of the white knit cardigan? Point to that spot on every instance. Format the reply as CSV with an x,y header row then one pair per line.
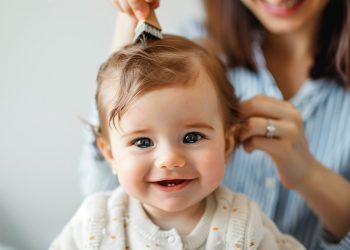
x,y
114,221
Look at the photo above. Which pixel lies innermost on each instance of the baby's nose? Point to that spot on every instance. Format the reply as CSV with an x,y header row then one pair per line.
x,y
170,160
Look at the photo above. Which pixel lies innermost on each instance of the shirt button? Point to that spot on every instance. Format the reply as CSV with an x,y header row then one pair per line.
x,y
218,242
270,182
171,239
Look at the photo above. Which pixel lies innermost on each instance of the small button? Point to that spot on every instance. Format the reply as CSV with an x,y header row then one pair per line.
x,y
171,239
218,243
218,240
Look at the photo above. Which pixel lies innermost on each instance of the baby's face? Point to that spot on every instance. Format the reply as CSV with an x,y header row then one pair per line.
x,y
171,148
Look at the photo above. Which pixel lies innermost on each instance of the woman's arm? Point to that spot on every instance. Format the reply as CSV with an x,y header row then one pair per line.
x,y
124,31
326,192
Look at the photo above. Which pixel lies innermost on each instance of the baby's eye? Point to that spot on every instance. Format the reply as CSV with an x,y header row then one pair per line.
x,y
143,142
192,137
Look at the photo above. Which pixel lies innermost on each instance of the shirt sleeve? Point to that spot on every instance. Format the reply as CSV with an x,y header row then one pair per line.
x,y
69,238
330,243
95,173
86,229
279,240
263,234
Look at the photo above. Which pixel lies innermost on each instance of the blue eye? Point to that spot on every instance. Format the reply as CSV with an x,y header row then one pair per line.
x,y
192,137
143,142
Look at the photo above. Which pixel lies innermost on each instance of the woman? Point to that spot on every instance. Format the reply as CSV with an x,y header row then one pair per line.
x,y
289,61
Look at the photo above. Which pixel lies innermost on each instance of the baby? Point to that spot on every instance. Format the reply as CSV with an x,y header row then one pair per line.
x,y
167,122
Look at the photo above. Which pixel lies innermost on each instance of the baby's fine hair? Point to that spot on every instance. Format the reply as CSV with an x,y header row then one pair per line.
x,y
140,68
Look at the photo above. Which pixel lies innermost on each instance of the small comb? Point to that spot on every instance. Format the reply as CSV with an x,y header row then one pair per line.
x,y
148,29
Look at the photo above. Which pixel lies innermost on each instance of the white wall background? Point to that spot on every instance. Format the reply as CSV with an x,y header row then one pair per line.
x,y
50,51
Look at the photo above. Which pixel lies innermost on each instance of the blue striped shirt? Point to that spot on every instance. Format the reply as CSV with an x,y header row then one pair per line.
x,y
325,108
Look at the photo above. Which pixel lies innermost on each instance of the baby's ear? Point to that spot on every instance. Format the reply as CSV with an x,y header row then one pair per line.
x,y
230,141
105,148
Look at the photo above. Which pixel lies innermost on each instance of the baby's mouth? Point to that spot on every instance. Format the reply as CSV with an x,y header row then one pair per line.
x,y
170,183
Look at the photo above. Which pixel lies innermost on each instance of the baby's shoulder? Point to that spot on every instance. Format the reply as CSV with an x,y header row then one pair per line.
x,y
247,225
87,228
100,204
241,208
226,197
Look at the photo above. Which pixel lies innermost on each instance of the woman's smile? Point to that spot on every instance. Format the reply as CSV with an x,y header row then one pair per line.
x,y
282,8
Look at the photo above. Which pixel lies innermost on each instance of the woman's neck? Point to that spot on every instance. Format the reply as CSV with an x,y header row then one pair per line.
x,y
289,57
295,44
183,221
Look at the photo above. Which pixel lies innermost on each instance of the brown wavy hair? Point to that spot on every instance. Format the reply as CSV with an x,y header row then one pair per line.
x,y
139,68
332,56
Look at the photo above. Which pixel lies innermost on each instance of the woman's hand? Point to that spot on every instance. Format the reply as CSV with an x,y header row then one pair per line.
x,y
136,8
288,146
130,12
296,166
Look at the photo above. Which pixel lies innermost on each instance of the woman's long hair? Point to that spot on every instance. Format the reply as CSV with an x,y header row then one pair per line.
x,y
231,26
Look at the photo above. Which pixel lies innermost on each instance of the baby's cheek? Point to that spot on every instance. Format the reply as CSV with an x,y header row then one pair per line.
x,y
132,185
130,177
215,168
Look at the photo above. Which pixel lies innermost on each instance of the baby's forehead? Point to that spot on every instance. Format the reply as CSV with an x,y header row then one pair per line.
x,y
196,82
195,103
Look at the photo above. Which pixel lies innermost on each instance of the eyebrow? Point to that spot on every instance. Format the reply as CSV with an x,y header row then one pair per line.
x,y
199,125
135,132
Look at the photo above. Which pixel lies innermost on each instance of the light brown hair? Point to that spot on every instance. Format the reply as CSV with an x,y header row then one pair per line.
x,y
231,26
139,68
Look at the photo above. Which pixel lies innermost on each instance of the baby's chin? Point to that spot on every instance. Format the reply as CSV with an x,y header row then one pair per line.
x,y
172,207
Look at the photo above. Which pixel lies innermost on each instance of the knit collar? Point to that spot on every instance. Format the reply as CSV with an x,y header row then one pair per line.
x,y
169,238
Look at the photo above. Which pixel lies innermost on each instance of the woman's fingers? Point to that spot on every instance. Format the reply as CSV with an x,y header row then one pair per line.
x,y
269,107
136,8
257,126
269,128
276,127
124,6
270,146
140,8
154,4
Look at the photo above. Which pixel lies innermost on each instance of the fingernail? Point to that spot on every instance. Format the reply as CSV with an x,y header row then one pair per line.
x,y
139,15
